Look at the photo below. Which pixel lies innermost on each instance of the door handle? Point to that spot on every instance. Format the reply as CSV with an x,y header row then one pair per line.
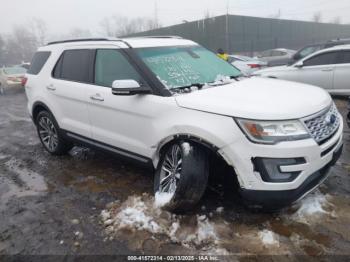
x,y
97,97
327,70
51,87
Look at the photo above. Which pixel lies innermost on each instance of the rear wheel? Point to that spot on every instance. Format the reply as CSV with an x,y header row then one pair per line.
x,y
50,136
181,176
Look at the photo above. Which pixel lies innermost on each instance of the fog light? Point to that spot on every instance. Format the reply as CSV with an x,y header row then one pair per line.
x,y
270,171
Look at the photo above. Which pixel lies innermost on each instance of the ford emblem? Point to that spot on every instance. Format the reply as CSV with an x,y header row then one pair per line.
x,y
330,119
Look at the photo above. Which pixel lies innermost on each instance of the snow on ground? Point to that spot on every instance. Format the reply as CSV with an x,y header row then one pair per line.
x,y
162,198
268,238
312,206
140,213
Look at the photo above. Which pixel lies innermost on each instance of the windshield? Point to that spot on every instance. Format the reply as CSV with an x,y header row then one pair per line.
x,y
14,70
186,66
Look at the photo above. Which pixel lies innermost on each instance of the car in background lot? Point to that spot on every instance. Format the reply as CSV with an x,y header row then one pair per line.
x,y
310,49
328,68
276,57
247,65
348,116
11,77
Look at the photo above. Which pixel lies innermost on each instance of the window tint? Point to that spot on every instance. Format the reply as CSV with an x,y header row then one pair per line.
x,y
38,62
345,57
111,65
322,59
75,65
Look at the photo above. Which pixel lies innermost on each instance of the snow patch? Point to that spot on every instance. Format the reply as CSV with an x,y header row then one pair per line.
x,y
141,213
268,238
186,147
162,198
312,206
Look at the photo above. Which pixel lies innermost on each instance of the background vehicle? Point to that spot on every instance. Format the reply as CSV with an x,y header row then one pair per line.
x,y
245,64
165,106
328,68
310,49
276,57
348,116
11,77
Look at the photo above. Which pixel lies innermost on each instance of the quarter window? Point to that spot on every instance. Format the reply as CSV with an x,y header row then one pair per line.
x,y
38,62
112,65
322,59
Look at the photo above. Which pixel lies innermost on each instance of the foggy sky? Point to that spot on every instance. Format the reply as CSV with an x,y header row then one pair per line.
x,y
64,15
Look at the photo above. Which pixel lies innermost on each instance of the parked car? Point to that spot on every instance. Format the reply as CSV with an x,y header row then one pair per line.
x,y
247,65
276,57
348,116
172,104
310,49
328,68
11,77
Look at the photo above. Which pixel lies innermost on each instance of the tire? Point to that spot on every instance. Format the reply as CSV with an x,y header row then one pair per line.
x,y
189,177
50,136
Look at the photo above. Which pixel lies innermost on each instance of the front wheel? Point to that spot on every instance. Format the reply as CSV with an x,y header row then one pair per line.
x,y
181,176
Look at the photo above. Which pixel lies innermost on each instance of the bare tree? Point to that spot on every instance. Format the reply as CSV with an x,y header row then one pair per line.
x,y
39,29
207,14
123,26
20,45
276,15
317,17
2,51
336,20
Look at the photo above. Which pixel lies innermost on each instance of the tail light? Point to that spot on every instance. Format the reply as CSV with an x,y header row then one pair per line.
x,y
24,81
254,65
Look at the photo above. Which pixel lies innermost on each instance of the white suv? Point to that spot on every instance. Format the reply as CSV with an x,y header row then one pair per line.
x,y
171,103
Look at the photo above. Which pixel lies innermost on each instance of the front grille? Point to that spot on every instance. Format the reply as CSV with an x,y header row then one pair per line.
x,y
324,125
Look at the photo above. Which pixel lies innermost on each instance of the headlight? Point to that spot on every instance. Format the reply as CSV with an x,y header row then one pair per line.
x,y
272,132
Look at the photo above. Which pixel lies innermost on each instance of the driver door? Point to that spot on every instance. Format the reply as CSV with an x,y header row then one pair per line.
x,y
319,70
124,122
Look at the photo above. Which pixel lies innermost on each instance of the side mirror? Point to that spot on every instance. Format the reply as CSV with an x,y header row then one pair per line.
x,y
128,87
299,64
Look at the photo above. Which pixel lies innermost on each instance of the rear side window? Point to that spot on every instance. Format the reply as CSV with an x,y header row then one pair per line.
x,y
75,65
38,62
111,65
322,59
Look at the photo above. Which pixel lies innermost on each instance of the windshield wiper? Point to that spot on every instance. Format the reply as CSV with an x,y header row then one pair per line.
x,y
198,85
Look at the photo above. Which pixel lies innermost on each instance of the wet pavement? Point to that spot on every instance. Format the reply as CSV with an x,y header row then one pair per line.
x,y
91,203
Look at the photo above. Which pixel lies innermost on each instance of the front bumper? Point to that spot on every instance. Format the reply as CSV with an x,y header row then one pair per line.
x,y
241,154
278,199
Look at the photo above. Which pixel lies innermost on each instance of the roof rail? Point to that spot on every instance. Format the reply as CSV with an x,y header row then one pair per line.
x,y
83,40
157,36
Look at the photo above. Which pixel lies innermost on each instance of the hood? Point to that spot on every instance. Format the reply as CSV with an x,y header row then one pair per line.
x,y
272,69
258,98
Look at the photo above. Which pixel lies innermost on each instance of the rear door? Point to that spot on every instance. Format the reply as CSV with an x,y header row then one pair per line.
x,y
319,70
341,72
68,89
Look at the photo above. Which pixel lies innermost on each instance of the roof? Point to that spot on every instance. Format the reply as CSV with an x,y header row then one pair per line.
x,y
134,42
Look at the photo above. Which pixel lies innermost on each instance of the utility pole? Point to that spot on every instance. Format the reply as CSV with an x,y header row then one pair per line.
x,y
156,14
227,24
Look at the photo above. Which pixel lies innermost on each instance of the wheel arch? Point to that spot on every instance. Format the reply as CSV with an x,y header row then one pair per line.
x,y
38,107
166,142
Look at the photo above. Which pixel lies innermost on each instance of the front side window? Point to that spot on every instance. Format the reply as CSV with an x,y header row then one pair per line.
x,y
322,59
181,66
111,65
75,65
344,57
